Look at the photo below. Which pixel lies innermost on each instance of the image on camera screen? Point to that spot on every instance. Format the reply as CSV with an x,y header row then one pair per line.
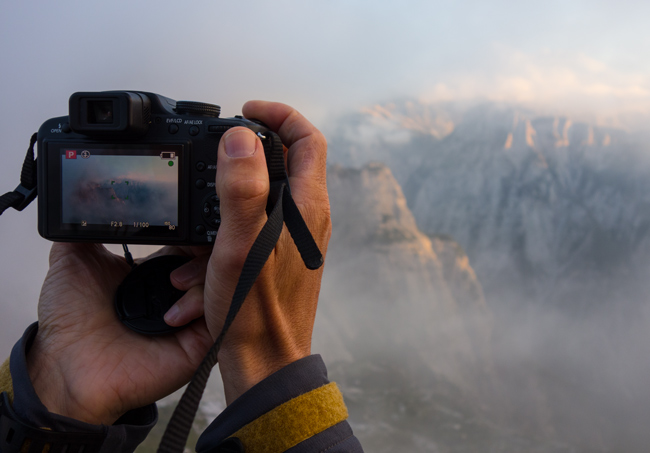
x,y
118,188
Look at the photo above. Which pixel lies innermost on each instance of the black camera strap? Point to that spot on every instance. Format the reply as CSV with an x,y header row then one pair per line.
x,y
282,210
26,191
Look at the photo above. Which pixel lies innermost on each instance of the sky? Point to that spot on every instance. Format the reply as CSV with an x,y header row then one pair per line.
x,y
325,58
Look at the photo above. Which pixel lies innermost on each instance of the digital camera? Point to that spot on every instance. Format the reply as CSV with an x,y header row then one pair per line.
x,y
132,167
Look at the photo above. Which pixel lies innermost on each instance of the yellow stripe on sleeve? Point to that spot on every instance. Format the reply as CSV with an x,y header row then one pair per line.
x,y
294,421
6,384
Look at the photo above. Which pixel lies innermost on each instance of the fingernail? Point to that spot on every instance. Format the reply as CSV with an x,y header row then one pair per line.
x,y
172,314
242,143
186,272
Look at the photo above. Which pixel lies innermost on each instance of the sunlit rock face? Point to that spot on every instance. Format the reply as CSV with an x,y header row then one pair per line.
x,y
391,277
402,314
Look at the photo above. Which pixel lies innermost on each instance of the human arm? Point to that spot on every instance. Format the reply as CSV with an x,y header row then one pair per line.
x,y
272,331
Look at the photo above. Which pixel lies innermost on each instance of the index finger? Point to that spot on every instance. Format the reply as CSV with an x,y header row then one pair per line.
x,y
307,146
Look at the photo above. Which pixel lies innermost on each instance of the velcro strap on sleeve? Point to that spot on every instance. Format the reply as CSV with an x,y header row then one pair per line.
x,y
294,421
6,384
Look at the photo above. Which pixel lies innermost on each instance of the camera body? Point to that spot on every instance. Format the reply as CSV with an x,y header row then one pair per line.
x,y
132,167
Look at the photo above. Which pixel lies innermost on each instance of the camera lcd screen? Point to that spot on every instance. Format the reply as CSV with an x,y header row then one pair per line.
x,y
120,190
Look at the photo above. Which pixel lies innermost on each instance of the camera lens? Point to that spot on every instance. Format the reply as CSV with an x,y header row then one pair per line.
x,y
100,112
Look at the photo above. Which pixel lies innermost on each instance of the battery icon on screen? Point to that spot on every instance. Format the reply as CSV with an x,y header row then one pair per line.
x,y
167,155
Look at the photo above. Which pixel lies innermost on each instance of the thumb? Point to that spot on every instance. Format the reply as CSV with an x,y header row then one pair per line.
x,y
242,185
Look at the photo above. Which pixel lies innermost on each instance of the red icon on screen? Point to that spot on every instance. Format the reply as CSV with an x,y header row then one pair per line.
x,y
70,154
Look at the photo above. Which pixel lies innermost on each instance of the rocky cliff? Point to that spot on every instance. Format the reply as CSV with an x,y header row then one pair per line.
x,y
406,330
389,288
553,215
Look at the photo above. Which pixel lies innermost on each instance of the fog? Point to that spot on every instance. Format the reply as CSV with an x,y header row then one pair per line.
x,y
542,342
440,339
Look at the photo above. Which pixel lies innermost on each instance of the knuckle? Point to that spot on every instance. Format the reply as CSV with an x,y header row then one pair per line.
x,y
292,121
194,301
242,190
319,141
195,348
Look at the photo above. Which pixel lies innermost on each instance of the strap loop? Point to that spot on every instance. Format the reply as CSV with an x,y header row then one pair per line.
x,y
25,193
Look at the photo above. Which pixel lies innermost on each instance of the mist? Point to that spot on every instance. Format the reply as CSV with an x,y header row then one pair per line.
x,y
492,302
536,322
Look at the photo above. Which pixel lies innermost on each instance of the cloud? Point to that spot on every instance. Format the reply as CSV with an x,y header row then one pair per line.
x,y
569,82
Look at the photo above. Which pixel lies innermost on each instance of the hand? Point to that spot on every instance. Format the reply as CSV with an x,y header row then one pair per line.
x,y
84,363
275,323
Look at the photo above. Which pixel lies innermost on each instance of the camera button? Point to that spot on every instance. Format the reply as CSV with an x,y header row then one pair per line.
x,y
194,130
215,222
200,184
173,128
214,198
206,208
200,229
200,166
216,210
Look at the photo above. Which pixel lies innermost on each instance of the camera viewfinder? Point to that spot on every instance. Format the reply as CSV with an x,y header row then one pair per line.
x,y
100,112
110,113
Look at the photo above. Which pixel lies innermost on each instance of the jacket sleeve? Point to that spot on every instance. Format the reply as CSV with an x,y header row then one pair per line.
x,y
123,436
296,410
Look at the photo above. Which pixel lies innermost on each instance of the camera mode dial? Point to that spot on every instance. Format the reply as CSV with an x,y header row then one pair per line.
x,y
198,108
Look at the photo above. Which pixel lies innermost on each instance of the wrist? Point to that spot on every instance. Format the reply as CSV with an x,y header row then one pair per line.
x,y
61,394
242,369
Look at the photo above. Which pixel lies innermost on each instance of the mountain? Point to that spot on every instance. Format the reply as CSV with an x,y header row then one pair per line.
x,y
533,200
406,331
553,216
